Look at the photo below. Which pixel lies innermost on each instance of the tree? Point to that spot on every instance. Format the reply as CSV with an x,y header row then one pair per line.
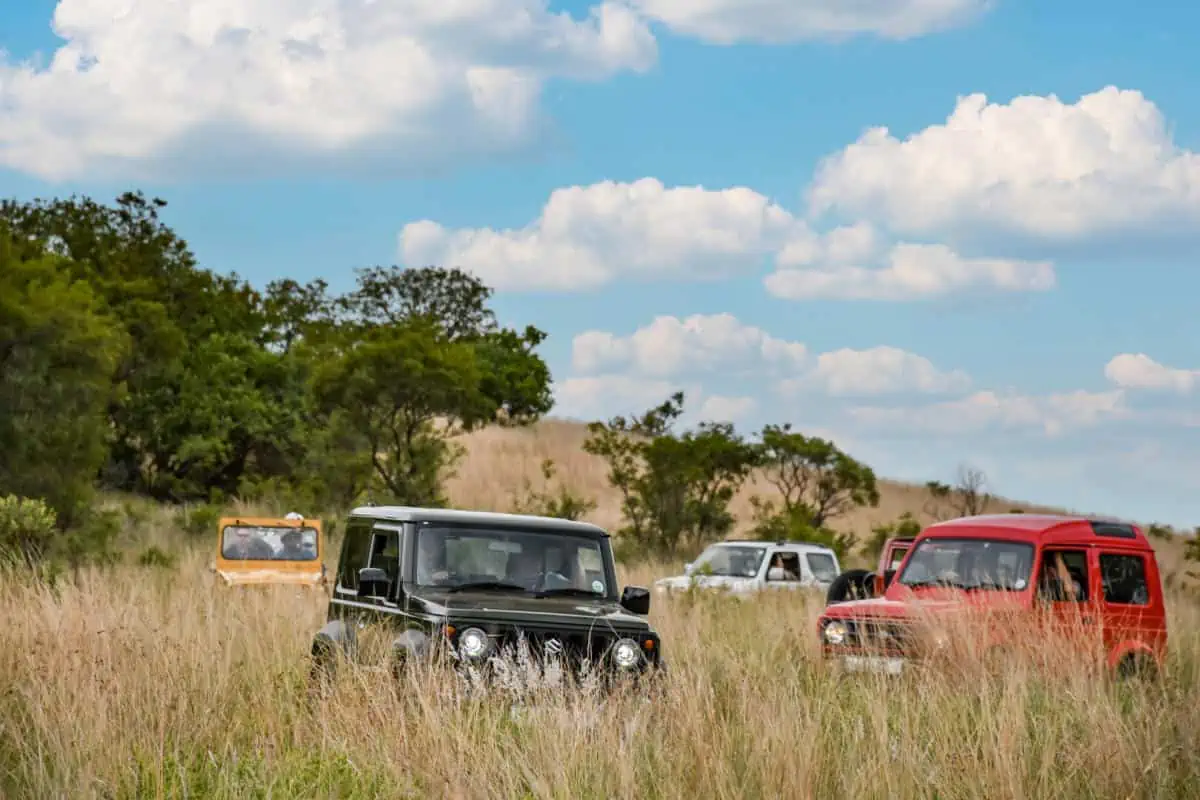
x,y
814,476
144,275
452,300
817,483
59,351
966,498
675,488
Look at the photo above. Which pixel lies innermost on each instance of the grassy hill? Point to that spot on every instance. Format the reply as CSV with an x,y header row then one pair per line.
x,y
499,462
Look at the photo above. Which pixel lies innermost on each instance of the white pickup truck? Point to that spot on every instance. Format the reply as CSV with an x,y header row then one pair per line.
x,y
744,567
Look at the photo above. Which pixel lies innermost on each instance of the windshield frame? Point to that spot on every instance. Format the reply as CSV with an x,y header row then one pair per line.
x,y
1030,556
712,549
550,534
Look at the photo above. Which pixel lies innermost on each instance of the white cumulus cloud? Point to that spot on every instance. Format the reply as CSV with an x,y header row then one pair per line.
x,y
775,21
1037,166
588,236
877,370
1139,371
904,271
150,85
991,410
669,346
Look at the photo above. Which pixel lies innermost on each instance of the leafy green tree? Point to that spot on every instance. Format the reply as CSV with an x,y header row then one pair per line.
x,y
59,351
145,276
675,488
418,359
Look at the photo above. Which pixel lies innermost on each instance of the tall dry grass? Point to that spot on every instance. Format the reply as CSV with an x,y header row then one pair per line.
x,y
152,682
156,683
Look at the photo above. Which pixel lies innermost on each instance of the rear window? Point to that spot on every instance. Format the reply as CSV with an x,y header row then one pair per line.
x,y
823,566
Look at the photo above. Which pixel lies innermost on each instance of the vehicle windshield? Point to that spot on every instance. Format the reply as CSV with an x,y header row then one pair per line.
x,y
268,543
732,560
823,567
510,560
983,564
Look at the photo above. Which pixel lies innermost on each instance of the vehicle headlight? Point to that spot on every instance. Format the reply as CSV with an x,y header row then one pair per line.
x,y
473,643
626,653
835,632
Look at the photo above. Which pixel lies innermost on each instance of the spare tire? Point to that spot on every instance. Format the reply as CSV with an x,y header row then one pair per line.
x,y
853,584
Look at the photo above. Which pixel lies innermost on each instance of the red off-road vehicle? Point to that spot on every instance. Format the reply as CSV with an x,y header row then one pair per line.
x,y
1017,579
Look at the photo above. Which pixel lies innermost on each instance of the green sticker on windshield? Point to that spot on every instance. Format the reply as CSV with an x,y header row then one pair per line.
x,y
597,587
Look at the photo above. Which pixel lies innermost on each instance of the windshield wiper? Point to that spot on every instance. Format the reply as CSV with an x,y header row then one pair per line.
x,y
569,590
495,586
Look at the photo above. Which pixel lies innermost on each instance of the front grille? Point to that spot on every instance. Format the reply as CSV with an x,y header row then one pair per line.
x,y
877,634
572,649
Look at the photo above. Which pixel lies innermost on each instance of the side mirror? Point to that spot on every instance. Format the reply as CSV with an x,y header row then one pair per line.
x,y
636,600
372,582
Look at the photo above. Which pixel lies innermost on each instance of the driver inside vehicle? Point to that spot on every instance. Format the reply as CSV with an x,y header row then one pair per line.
x,y
527,568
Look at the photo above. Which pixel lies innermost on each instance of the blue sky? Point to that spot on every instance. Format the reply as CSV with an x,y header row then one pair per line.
x,y
1038,243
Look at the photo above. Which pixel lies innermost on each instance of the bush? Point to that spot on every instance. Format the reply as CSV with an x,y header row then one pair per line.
x,y
28,528
198,520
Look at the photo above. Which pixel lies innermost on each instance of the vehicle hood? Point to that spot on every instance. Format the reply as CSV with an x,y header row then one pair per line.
x,y
933,602
731,582
505,607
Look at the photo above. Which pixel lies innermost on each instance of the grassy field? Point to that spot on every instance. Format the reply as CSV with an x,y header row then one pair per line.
x,y
154,682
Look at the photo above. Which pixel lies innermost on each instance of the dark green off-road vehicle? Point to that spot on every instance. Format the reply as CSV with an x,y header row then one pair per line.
x,y
468,588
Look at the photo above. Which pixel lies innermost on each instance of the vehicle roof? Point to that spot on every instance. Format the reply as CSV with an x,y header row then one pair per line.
x,y
807,547
464,517
1043,528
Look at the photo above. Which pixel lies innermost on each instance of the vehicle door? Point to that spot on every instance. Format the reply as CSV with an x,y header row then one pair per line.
x,y
372,610
1066,605
783,570
1132,614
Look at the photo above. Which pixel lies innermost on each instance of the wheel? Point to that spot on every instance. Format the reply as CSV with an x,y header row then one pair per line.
x,y
853,584
323,667
1137,666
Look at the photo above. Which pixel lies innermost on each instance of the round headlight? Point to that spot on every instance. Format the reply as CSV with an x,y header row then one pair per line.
x,y
626,653
835,632
473,643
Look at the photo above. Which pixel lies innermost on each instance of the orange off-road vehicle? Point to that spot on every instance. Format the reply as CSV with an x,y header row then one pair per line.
x,y
268,550
1016,580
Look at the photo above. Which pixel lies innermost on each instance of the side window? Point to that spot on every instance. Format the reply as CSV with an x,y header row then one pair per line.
x,y
355,551
897,556
784,566
1063,576
385,554
1124,579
